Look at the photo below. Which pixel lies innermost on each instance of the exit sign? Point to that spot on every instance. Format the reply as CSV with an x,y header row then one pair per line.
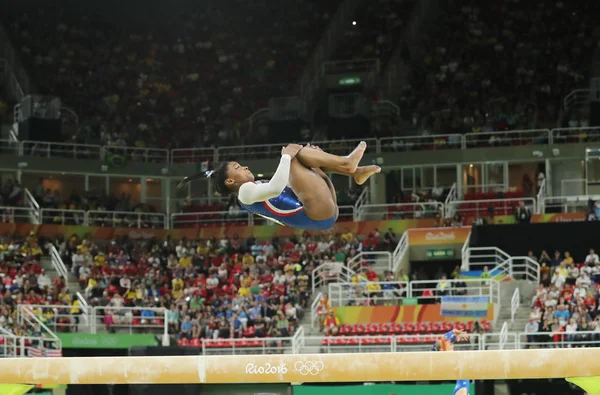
x,y
349,81
440,253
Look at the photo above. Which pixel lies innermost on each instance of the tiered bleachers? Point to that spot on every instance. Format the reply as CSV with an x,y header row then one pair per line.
x,y
182,70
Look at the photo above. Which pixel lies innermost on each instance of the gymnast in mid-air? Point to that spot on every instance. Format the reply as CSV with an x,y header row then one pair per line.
x,y
446,343
299,194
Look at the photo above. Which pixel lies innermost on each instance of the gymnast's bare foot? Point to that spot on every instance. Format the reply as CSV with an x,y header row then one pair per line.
x,y
355,157
362,173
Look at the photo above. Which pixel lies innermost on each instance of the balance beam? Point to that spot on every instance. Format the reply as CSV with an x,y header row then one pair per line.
x,y
310,368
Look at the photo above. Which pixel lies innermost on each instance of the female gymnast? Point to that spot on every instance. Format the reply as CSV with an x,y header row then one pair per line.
x,y
299,194
446,343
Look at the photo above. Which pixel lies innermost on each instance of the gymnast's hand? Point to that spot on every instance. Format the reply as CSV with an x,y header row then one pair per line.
x,y
291,149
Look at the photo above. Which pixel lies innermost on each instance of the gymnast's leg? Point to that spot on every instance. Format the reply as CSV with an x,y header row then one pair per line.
x,y
313,191
313,156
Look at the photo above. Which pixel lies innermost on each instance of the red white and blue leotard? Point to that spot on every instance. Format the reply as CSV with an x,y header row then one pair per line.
x,y
276,201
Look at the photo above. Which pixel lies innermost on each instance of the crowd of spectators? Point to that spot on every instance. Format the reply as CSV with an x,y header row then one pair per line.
x,y
24,281
565,308
493,67
210,289
185,67
375,30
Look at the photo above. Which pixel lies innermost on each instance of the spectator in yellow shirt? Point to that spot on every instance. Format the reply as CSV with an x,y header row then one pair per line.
x,y
244,291
185,260
247,260
568,258
100,259
347,236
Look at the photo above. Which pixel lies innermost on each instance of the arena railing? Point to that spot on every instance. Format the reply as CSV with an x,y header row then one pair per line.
x,y
503,338
8,147
27,317
363,198
381,343
480,257
64,318
62,216
483,207
559,339
193,155
464,253
400,252
524,266
208,218
350,294
12,346
346,213
508,138
339,147
61,150
451,197
58,264
16,215
474,287
515,303
137,154
128,319
246,346
370,259
271,151
315,314
587,134
422,143
126,219
329,272
377,212
33,205
499,341
566,204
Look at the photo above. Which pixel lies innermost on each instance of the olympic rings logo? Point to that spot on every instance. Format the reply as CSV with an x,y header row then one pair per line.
x,y
309,367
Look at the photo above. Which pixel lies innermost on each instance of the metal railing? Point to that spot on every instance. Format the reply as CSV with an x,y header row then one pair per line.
x,y
362,199
587,134
369,258
136,154
567,204
465,253
248,346
452,197
193,155
14,215
33,205
377,212
503,336
486,206
338,147
540,196
130,319
12,346
438,288
558,339
499,341
207,218
127,219
58,264
314,310
62,318
515,303
62,216
421,143
400,252
480,257
508,138
242,153
330,272
367,292
61,150
524,266
346,213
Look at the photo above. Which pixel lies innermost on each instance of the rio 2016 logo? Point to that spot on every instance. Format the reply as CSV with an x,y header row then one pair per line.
x,y
267,368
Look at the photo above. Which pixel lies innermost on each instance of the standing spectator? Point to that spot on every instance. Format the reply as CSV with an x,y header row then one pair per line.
x,y
523,214
390,240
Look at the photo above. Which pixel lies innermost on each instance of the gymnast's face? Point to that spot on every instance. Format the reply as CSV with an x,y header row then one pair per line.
x,y
238,175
